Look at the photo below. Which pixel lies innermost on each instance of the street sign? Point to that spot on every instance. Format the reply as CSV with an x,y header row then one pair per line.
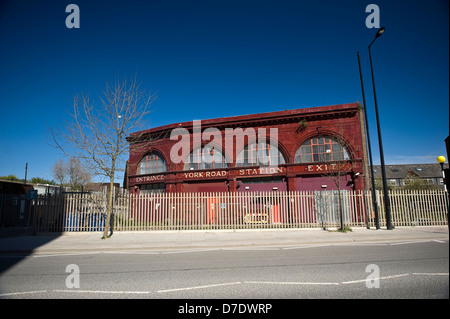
x,y
32,194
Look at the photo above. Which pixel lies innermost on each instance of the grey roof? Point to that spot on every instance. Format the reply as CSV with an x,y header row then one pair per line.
x,y
401,171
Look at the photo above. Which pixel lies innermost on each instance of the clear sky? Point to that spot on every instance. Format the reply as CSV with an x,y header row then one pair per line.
x,y
216,58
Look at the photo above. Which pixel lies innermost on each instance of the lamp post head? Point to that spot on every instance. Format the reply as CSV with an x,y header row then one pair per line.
x,y
441,159
379,33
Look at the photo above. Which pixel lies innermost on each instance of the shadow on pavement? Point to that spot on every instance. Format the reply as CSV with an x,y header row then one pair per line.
x,y
17,244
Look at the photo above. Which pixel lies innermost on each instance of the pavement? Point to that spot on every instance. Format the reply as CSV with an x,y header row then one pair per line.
x,y
213,239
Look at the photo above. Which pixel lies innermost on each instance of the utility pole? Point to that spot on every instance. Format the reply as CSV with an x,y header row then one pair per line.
x,y
26,170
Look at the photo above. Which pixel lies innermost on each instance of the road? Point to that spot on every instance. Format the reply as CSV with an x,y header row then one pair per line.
x,y
416,269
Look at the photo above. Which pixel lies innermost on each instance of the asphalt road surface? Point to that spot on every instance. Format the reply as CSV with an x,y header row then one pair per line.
x,y
417,269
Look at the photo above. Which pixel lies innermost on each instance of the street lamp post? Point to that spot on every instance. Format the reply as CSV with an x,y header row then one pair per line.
x,y
374,197
387,204
441,160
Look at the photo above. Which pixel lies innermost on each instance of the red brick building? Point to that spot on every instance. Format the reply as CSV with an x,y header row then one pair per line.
x,y
313,149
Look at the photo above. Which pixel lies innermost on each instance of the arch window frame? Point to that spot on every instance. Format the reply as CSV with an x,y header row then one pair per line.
x,y
322,148
154,164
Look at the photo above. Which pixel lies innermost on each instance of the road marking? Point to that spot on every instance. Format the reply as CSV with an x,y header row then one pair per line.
x,y
292,283
364,280
355,281
439,241
394,276
188,251
65,254
105,291
252,248
22,293
306,246
216,285
410,242
130,252
124,252
200,287
365,244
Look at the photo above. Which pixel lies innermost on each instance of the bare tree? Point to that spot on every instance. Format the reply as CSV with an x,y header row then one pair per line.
x,y
95,132
71,174
59,172
78,176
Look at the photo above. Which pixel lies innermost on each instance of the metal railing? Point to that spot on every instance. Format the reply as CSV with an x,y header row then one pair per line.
x,y
240,210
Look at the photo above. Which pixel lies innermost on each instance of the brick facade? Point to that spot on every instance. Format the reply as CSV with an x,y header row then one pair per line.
x,y
294,128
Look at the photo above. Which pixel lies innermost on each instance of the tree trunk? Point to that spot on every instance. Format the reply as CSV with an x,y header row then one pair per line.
x,y
109,208
341,212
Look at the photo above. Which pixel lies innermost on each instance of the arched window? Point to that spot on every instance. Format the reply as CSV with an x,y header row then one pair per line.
x,y
205,158
261,153
152,163
321,149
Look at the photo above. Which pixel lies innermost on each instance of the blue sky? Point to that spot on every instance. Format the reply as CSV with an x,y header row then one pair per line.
x,y
216,58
